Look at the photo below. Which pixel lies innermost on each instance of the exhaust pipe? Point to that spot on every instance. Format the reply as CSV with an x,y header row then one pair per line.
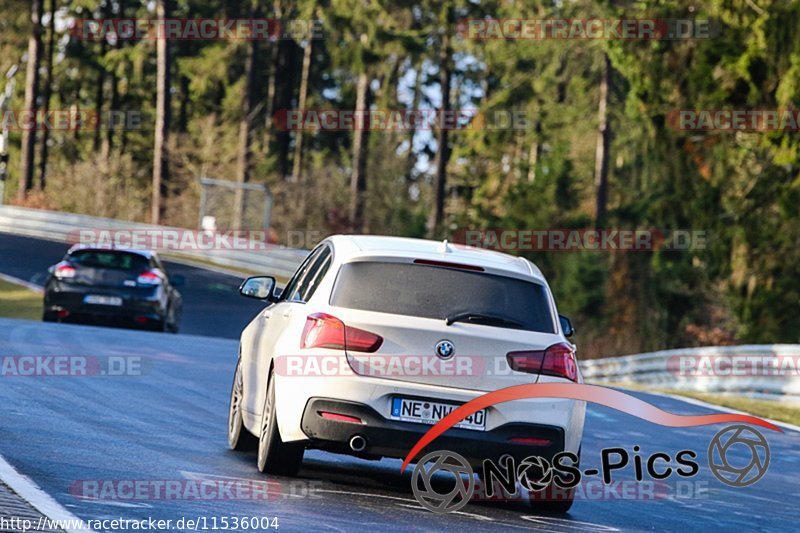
x,y
358,443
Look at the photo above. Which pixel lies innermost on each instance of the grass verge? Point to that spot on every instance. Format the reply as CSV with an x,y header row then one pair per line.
x,y
17,301
783,412
202,262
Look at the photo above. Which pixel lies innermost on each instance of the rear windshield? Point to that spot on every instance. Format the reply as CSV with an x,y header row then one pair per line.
x,y
435,292
109,259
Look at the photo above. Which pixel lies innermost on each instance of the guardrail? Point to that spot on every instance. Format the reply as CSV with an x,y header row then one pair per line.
x,y
769,369
279,261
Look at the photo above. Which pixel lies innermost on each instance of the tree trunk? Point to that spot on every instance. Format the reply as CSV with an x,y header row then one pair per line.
x,y
534,151
99,97
48,91
274,51
301,105
160,155
287,76
244,157
411,157
603,142
358,178
31,95
108,142
443,150
183,110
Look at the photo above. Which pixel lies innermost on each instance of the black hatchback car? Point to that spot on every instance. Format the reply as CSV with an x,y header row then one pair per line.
x,y
113,286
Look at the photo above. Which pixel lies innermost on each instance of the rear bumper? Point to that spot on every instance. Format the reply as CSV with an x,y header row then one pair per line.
x,y
294,394
392,438
146,305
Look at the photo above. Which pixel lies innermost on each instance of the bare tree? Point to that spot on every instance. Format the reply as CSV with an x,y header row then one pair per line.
x,y
244,155
301,104
443,150
603,142
108,142
160,154
272,80
411,156
358,177
31,96
48,91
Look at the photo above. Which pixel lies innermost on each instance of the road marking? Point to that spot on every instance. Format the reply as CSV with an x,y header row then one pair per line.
x,y
39,499
567,523
26,284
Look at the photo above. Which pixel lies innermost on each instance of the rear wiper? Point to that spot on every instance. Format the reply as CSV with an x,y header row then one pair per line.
x,y
481,317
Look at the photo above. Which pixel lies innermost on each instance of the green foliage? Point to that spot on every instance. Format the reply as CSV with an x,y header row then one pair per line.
x,y
742,189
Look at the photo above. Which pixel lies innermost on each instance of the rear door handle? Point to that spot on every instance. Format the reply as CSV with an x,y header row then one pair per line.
x,y
287,313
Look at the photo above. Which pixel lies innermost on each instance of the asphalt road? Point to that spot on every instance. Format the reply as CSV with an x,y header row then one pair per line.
x,y
211,303
169,424
78,436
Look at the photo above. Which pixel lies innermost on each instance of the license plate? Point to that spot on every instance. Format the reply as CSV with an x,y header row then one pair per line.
x,y
102,300
428,412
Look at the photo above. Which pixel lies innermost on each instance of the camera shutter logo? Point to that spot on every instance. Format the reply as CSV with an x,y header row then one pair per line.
x,y
457,467
725,456
535,473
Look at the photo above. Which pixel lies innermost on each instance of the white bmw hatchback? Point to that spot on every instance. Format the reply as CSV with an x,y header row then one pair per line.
x,y
376,338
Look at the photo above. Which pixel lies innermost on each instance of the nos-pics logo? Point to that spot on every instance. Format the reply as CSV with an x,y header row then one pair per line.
x,y
738,456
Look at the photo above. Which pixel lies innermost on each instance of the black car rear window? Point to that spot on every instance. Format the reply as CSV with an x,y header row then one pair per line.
x,y
436,292
109,259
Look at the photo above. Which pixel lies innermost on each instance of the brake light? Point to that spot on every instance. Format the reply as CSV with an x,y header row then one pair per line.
x,y
340,417
358,340
448,264
530,361
557,360
64,271
326,331
148,278
530,441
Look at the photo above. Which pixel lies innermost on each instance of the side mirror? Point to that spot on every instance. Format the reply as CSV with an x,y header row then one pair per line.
x,y
258,287
566,326
177,280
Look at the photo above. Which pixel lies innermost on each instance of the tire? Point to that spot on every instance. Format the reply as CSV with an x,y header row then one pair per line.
x,y
161,326
556,500
274,455
172,324
560,504
49,317
239,438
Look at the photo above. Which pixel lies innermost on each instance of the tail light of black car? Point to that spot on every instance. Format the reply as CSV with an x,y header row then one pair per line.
x,y
149,278
64,270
